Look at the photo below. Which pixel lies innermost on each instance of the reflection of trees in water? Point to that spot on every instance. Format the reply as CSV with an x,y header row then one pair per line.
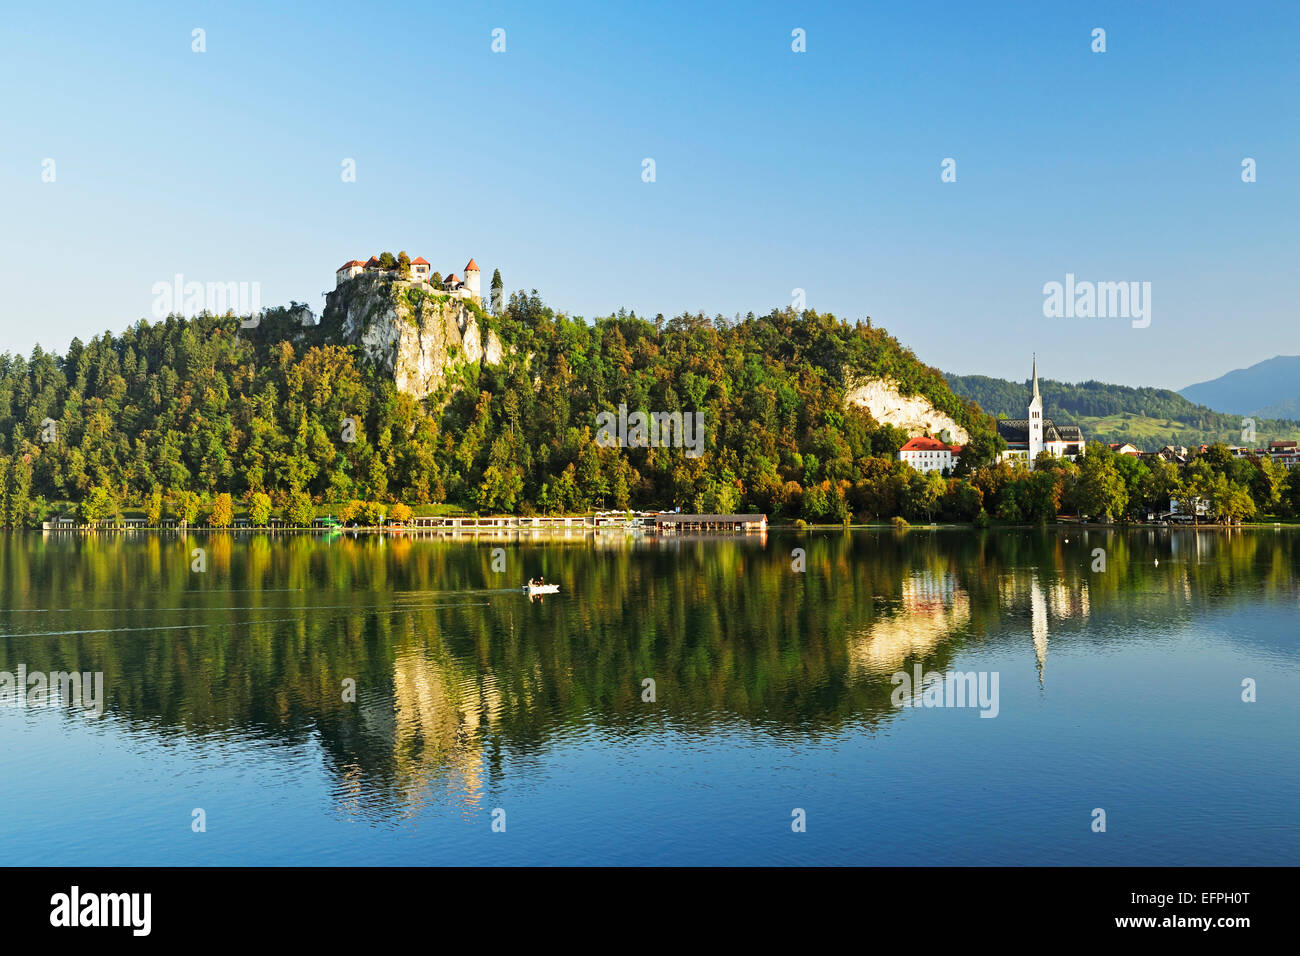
x,y
455,674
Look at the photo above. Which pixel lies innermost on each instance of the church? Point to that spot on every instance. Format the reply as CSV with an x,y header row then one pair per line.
x,y
1026,437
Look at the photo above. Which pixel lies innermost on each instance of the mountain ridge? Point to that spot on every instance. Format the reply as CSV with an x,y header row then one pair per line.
x,y
1262,389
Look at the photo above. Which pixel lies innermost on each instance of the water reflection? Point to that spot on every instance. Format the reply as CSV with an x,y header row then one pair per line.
x,y
457,673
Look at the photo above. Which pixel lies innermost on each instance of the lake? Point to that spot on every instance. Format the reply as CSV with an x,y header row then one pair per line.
x,y
382,700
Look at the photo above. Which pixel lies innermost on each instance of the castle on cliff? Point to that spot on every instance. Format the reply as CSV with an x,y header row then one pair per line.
x,y
421,271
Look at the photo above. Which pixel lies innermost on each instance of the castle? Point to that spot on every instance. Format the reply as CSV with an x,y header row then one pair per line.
x,y
421,271
1026,437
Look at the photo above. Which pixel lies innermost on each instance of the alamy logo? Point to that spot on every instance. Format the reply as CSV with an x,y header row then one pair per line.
x,y
651,430
953,689
39,689
217,298
1098,300
134,910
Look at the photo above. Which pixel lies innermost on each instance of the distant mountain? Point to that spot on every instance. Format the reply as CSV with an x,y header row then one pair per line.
x,y
1148,417
1269,389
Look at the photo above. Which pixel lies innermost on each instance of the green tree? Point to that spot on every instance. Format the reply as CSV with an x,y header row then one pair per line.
x,y
1100,490
259,509
497,294
153,508
100,505
185,507
300,512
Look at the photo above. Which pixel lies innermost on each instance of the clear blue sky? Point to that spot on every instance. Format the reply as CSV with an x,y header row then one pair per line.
x,y
775,169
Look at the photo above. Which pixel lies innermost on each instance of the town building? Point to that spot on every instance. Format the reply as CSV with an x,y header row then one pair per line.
x,y
930,454
1027,437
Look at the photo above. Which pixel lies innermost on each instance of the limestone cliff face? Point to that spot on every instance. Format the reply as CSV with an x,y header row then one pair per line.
x,y
912,413
414,333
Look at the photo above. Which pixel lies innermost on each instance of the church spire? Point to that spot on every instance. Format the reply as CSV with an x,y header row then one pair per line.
x,y
1035,375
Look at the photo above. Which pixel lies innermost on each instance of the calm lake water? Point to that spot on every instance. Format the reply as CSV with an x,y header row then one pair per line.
x,y
1118,689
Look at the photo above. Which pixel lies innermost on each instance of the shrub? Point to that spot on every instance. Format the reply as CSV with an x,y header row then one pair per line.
x,y
899,523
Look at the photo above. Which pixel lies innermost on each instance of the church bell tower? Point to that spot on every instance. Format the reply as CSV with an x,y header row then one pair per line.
x,y
1035,419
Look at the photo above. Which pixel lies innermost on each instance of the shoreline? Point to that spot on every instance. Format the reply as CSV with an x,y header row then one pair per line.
x,y
578,531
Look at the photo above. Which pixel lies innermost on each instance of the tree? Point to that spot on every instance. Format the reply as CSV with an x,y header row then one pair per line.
x,y
924,492
404,265
399,513
18,497
223,512
259,509
153,508
301,512
185,507
497,295
100,505
1100,489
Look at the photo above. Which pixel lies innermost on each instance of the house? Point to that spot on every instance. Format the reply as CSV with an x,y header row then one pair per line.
x,y
349,269
1174,453
1176,509
1124,448
1284,453
1027,437
929,454
420,269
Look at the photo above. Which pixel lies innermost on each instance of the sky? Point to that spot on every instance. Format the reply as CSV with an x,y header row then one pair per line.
x,y
774,170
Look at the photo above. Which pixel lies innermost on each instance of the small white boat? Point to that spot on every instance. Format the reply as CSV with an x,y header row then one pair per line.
x,y
531,589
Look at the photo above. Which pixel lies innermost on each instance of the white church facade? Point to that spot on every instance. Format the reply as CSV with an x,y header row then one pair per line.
x,y
1026,438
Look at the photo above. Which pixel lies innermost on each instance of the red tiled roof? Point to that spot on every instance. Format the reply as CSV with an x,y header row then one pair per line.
x,y
373,261
350,263
921,443
451,278
420,261
471,266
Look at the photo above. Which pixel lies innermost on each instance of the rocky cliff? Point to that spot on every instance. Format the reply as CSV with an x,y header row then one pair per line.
x,y
416,334
912,413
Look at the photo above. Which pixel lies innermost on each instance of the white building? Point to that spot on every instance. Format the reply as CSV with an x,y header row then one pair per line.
x,y
1027,437
930,454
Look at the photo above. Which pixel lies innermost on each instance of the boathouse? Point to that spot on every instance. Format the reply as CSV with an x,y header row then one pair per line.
x,y
670,522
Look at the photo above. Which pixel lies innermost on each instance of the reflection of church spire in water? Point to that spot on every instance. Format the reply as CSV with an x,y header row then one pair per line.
x,y
1038,624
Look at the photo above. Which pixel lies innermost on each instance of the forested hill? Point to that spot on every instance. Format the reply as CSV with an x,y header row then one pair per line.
x,y
205,407
1148,417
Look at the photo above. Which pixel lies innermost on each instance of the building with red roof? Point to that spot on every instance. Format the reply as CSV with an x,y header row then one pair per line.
x,y
927,454
421,271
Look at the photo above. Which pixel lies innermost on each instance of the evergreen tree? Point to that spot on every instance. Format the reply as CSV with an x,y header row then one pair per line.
x,y
497,295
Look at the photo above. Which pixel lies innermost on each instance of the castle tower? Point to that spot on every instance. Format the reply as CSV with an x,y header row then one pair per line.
x,y
472,279
1035,419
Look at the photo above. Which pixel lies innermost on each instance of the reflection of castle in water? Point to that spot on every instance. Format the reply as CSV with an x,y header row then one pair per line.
x,y
433,727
